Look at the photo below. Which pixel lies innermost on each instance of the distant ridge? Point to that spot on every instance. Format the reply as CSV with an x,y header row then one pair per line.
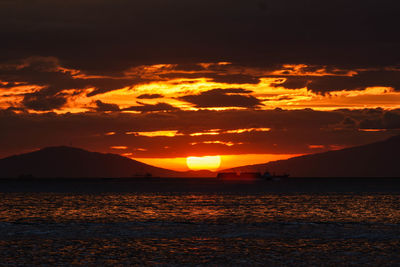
x,y
379,159
70,162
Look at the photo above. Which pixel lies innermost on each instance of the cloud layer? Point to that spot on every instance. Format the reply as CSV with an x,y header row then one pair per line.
x,y
223,98
319,74
179,133
105,36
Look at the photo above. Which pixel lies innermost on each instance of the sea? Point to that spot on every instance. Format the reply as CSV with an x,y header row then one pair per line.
x,y
199,229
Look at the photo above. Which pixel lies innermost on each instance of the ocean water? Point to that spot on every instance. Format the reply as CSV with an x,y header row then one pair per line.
x,y
154,229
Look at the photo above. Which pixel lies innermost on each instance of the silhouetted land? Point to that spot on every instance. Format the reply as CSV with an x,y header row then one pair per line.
x,y
380,159
373,160
202,185
70,162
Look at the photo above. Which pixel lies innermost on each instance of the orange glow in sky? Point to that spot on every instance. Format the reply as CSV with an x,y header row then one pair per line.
x,y
211,163
226,161
156,114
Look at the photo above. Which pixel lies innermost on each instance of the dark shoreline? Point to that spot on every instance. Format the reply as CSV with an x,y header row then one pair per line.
x,y
200,185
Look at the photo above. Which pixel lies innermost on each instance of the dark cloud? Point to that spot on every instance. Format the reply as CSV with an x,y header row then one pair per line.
x,y
150,96
392,120
184,75
104,39
189,67
380,119
223,98
384,78
236,79
104,36
42,102
106,106
217,75
41,71
360,81
152,108
53,78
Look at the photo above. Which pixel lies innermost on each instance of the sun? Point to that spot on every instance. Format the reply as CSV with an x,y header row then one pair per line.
x,y
211,163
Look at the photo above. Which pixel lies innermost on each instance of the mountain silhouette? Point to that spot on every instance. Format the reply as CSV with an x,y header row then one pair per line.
x,y
69,162
379,159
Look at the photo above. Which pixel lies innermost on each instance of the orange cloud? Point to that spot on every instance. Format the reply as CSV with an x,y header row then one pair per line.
x,y
44,84
155,133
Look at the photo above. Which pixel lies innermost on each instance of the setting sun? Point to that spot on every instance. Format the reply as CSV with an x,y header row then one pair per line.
x,y
204,163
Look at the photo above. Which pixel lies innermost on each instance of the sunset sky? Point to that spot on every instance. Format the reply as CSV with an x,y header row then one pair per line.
x,y
160,81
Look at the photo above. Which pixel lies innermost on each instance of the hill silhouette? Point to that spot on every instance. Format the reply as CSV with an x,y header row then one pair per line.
x,y
379,159
69,162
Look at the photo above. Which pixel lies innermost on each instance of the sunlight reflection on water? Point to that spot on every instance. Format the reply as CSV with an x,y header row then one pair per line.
x,y
199,229
199,208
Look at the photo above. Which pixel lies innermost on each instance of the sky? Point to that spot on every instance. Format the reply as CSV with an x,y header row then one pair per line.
x,y
159,81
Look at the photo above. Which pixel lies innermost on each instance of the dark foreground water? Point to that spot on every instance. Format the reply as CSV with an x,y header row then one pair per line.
x,y
219,229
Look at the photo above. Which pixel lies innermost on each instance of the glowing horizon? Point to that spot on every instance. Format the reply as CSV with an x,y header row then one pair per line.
x,y
225,161
210,163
